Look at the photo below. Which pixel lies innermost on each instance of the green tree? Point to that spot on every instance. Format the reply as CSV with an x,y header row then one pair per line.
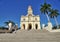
x,y
54,14
7,23
45,8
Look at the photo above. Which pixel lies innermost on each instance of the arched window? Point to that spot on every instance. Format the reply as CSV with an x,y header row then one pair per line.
x,y
24,19
36,19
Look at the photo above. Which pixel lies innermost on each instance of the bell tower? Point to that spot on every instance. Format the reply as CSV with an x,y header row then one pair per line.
x,y
30,11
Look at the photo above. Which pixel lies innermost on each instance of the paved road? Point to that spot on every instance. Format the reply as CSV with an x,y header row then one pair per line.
x,y
30,36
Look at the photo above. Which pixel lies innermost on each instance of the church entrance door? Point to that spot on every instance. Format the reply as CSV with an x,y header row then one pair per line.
x,y
36,26
23,26
29,26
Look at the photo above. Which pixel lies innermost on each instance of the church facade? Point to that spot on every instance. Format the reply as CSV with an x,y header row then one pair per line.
x,y
30,21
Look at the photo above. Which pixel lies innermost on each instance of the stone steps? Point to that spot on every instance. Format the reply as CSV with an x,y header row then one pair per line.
x,y
30,36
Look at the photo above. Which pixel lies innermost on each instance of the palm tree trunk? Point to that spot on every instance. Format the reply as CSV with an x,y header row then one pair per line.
x,y
48,17
56,22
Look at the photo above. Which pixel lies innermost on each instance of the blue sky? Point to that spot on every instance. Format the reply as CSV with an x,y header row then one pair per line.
x,y
13,9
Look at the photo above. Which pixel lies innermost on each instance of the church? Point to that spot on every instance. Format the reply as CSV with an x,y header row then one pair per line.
x,y
30,21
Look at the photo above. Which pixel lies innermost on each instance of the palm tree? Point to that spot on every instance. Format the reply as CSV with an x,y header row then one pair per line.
x,y
45,8
54,14
7,23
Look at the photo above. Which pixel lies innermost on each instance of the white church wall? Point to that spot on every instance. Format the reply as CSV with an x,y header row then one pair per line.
x,y
36,18
24,18
30,18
